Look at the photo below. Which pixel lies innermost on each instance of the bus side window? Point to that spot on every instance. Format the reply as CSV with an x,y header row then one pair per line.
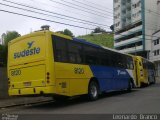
x,y
74,52
91,55
130,64
104,57
118,60
72,57
60,49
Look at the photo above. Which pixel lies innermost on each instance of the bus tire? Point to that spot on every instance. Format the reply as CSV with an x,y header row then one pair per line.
x,y
93,91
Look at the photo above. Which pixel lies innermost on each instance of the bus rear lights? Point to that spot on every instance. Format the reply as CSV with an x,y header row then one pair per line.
x,y
12,86
48,73
48,81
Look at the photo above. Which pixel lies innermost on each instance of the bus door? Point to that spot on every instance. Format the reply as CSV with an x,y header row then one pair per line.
x,y
136,71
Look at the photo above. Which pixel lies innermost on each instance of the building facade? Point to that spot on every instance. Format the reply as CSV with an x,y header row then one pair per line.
x,y
155,48
155,54
134,24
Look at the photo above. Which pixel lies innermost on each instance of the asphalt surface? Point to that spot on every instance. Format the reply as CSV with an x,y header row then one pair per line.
x,y
139,101
144,100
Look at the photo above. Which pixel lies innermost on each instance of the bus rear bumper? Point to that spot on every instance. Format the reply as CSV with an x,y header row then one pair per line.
x,y
32,91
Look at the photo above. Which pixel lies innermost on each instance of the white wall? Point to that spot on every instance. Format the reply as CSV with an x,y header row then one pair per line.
x,y
150,21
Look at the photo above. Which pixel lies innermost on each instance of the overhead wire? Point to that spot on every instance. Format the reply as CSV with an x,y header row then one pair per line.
x,y
73,7
49,15
95,4
66,10
28,6
97,8
86,8
44,19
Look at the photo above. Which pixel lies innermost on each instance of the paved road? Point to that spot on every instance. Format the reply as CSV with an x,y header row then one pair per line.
x,y
144,100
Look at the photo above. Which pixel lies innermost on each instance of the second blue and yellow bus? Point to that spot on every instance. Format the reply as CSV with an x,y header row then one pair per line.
x,y
48,63
145,72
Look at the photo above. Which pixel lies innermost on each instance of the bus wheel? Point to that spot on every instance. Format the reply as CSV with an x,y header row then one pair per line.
x,y
93,91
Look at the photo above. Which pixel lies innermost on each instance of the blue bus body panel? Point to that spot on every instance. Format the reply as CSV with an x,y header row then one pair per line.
x,y
111,78
87,43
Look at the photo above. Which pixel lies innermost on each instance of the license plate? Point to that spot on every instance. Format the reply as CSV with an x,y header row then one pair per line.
x,y
27,84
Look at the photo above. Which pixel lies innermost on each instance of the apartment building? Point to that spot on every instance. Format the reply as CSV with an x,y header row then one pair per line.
x,y
134,23
155,48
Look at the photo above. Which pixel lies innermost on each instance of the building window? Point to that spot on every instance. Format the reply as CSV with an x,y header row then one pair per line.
x,y
138,4
117,24
156,52
156,42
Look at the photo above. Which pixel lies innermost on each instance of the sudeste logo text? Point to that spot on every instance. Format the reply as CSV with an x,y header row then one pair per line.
x,y
28,52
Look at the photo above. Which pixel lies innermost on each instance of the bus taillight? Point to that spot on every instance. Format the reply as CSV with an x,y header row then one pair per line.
x,y
12,86
48,77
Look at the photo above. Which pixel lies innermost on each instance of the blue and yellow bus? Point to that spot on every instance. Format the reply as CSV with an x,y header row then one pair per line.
x,y
48,63
145,72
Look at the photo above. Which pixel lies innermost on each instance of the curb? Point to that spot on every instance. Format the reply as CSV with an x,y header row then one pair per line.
x,y
26,104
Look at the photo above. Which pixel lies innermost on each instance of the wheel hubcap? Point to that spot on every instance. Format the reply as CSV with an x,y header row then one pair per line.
x,y
94,91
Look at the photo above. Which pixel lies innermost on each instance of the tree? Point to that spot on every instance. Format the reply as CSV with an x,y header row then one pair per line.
x,y
112,27
2,56
98,30
8,36
67,32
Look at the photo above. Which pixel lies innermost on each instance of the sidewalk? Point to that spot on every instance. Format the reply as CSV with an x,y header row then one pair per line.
x,y
13,101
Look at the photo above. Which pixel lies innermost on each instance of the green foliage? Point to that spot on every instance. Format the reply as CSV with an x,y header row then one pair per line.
x,y
10,35
98,30
2,55
112,27
100,39
67,32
